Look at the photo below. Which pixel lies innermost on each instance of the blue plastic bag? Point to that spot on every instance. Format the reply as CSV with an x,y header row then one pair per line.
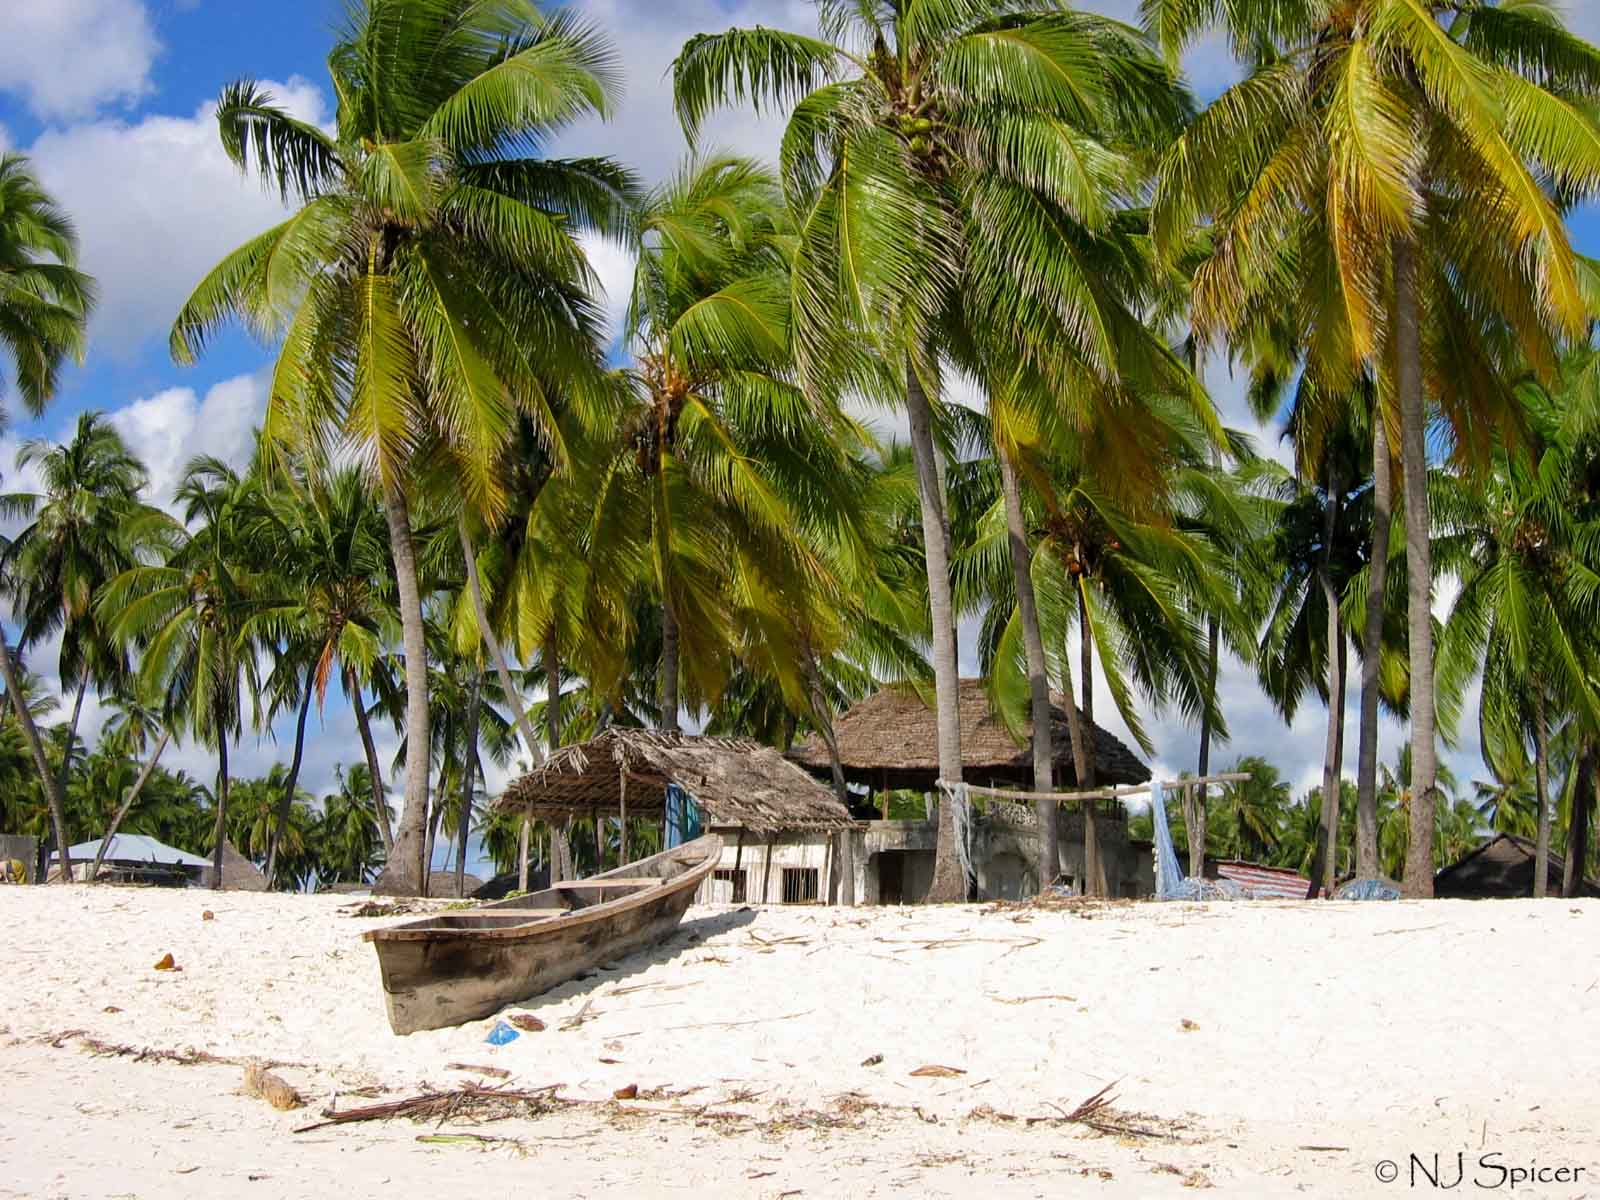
x,y
501,1034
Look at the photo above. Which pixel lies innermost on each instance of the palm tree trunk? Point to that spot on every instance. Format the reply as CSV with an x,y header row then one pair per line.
x,y
1419,568
1541,784
1324,858
822,713
1094,872
468,776
1194,798
1044,806
47,778
72,736
560,850
949,880
1371,651
1582,817
380,802
220,833
405,872
669,667
436,805
128,803
287,803
513,696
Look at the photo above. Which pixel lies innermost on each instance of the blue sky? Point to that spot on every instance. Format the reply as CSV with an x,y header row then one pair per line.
x,y
110,98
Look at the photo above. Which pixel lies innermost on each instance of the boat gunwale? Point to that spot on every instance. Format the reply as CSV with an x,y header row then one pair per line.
x,y
562,919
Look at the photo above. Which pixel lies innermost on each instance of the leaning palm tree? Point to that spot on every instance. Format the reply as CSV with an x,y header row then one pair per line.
x,y
430,288
943,161
44,305
1390,178
85,525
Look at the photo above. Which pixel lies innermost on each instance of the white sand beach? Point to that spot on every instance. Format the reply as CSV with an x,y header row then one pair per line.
x,y
1264,1049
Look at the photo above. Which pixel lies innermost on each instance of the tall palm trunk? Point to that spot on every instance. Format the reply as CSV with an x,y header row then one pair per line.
x,y
1044,806
669,666
1419,568
380,802
1582,817
1077,734
287,802
822,714
1325,858
72,736
220,832
47,777
561,865
1194,798
1094,872
405,872
436,805
496,654
127,804
949,878
1371,651
1541,784
469,775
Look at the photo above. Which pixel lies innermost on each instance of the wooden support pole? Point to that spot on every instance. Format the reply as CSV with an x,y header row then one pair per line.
x,y
599,842
766,882
738,868
622,821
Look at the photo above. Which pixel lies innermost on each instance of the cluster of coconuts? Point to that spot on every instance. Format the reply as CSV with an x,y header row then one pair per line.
x,y
918,132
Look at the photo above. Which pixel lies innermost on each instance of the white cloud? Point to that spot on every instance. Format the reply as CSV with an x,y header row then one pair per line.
x,y
613,265
168,429
157,204
66,58
647,36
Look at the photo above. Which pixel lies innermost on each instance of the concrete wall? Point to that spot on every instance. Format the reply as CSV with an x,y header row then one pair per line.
x,y
794,852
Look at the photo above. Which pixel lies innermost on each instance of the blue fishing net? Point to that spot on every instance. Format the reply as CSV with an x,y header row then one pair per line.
x,y
1367,889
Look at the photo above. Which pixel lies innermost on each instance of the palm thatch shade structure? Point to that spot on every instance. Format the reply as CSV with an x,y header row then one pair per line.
x,y
1502,869
890,741
737,783
239,874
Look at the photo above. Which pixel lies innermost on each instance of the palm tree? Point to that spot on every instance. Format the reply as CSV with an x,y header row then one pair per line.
x,y
85,527
44,305
191,615
1529,565
1247,819
938,158
131,726
323,543
1389,179
430,287
346,837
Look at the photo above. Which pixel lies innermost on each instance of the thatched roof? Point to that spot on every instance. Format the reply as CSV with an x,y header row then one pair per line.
x,y
891,739
737,782
239,874
1501,868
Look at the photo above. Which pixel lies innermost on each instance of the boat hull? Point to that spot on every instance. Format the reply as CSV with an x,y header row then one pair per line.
x,y
436,977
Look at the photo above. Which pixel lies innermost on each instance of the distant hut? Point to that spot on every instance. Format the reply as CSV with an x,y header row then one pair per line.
x,y
778,825
239,874
136,858
890,742
443,883
1502,869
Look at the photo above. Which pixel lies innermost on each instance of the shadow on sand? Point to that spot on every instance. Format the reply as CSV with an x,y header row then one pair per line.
x,y
687,935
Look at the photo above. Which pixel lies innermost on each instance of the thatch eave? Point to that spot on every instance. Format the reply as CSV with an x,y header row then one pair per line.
x,y
738,783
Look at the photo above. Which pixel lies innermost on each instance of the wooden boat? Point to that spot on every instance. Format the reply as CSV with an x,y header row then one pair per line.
x,y
458,966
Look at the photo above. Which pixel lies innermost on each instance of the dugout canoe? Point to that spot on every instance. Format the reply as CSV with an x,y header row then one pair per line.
x,y
453,967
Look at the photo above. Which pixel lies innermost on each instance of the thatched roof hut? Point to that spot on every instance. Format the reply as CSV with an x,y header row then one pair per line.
x,y
239,874
1502,869
737,783
891,740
